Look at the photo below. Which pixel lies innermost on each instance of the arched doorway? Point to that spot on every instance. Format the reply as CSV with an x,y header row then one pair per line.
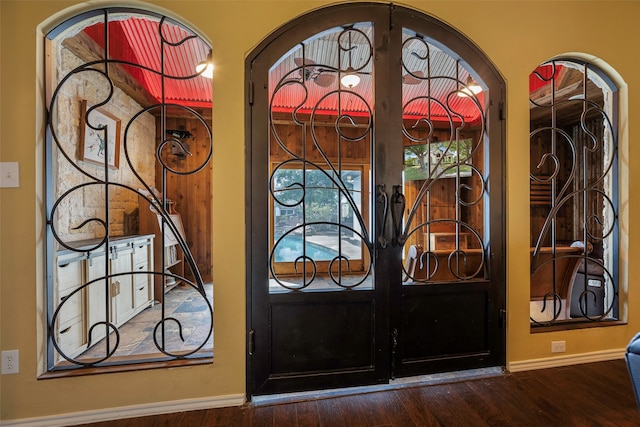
x,y
375,220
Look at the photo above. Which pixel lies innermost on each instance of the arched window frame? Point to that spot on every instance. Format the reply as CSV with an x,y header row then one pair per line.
x,y
70,257
575,271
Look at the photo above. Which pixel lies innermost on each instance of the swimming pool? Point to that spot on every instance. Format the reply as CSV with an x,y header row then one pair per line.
x,y
290,248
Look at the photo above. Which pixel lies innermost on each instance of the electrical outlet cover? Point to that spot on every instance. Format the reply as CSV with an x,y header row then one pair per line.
x,y
10,362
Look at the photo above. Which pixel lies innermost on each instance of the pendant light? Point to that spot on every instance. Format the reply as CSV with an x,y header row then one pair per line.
x,y
350,79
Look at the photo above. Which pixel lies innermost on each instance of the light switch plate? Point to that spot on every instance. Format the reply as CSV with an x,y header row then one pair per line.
x,y
9,175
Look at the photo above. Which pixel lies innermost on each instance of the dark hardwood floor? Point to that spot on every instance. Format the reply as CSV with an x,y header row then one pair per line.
x,y
595,394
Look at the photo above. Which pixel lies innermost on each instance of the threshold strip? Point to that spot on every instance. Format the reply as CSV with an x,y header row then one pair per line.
x,y
398,383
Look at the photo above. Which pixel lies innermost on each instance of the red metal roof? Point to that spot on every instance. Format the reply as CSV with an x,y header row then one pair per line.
x,y
139,41
543,75
434,97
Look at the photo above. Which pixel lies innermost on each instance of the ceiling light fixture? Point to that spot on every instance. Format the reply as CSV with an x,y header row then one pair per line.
x,y
350,79
470,89
205,68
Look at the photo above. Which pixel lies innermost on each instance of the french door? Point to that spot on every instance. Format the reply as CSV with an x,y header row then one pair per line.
x,y
375,202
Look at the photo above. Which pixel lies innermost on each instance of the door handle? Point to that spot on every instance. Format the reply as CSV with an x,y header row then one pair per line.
x,y
398,203
382,199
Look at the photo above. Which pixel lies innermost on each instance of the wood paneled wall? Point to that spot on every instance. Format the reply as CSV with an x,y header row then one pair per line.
x,y
324,133
192,194
541,145
570,217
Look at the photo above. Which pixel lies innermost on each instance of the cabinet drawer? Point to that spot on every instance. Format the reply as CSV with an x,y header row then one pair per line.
x,y
140,254
140,278
71,308
71,338
141,294
69,275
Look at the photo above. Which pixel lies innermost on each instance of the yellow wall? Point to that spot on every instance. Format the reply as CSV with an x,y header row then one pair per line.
x,y
516,35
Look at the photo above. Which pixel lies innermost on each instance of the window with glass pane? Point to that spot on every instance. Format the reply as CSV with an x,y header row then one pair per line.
x,y
128,195
320,153
573,196
325,206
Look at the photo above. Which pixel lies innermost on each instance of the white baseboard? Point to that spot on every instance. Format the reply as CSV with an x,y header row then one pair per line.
x,y
154,408
239,399
565,360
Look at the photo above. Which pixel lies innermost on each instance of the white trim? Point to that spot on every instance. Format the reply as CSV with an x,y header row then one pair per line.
x,y
143,410
572,359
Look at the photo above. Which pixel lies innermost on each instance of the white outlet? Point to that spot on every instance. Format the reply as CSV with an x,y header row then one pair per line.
x,y
10,362
558,346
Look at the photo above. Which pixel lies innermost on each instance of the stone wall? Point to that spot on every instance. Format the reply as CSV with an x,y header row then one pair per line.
x,y
88,203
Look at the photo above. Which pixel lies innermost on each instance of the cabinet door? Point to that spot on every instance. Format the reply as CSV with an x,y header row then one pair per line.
x,y
122,288
142,294
97,296
69,280
70,325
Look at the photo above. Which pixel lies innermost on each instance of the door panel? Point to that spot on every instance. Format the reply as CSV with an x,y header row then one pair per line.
x,y
432,325
446,307
375,243
341,341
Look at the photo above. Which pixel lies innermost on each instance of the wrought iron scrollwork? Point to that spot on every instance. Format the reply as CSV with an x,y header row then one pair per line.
x,y
103,181
573,178
312,87
442,104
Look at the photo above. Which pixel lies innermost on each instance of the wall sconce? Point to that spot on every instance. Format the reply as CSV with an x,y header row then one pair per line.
x,y
350,79
179,148
470,89
205,68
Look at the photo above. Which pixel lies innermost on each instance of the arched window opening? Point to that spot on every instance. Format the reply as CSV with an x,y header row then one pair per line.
x,y
573,199
128,191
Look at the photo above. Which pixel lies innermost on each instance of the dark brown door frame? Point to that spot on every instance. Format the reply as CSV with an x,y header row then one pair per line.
x,y
388,262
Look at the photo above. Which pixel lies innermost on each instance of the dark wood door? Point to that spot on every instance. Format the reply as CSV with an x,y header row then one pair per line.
x,y
371,251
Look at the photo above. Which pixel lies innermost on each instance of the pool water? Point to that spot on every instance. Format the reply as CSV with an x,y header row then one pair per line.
x,y
290,248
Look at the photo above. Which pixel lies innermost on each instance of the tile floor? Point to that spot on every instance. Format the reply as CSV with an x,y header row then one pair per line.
x,y
183,306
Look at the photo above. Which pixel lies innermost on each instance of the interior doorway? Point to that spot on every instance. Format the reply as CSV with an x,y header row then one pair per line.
x,y
376,235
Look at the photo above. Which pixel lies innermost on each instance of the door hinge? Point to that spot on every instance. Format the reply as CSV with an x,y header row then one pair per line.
x,y
503,316
501,110
394,346
252,341
251,91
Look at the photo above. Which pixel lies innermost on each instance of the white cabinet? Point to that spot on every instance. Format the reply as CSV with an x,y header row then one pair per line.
x,y
70,327
122,287
167,248
97,292
115,299
142,282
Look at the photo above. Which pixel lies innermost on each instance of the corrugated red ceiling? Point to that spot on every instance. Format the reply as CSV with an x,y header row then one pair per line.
x,y
542,76
434,97
138,41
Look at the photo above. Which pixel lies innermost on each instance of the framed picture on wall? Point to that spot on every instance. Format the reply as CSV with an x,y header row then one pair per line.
x,y
103,143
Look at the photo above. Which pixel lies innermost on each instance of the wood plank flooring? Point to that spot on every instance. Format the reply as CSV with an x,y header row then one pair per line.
x,y
594,394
